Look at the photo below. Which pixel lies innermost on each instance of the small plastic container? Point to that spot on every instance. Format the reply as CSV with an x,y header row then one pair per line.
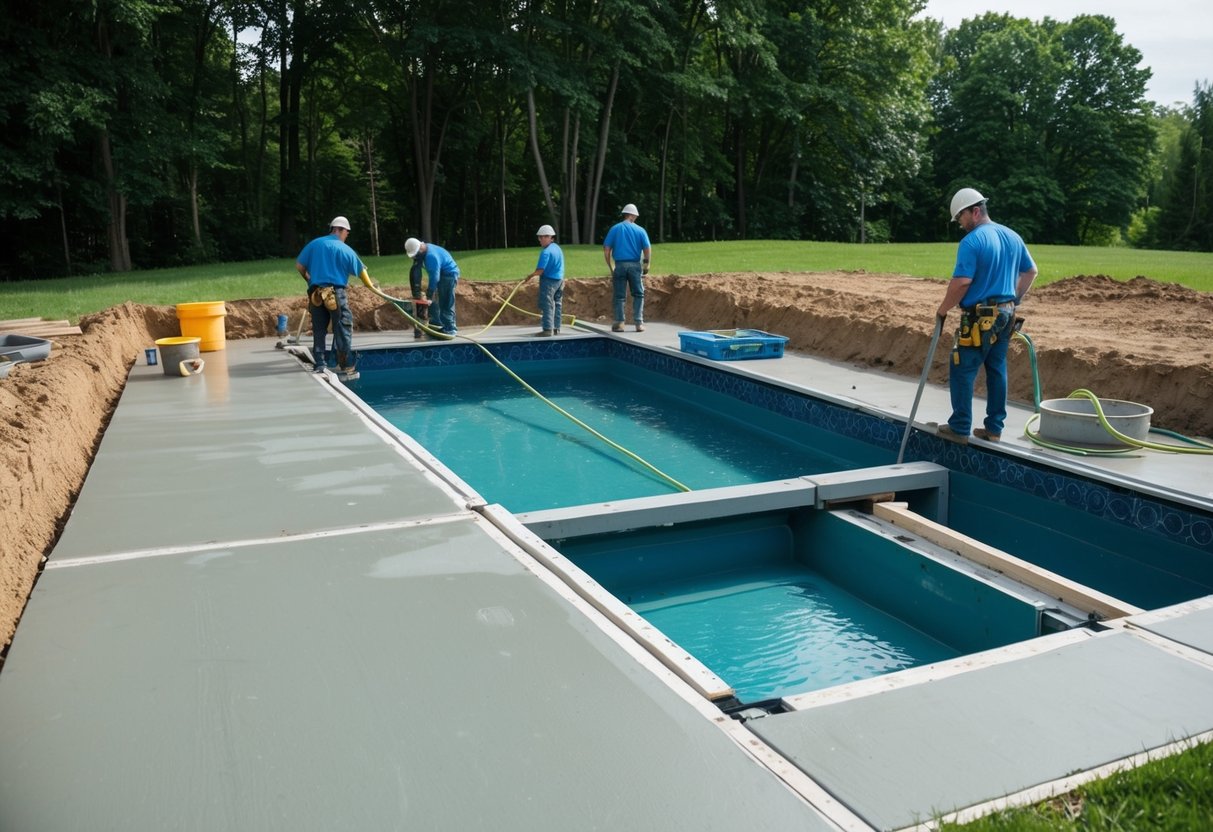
x,y
732,344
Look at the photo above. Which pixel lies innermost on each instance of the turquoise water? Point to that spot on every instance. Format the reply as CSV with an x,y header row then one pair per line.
x,y
779,631
516,451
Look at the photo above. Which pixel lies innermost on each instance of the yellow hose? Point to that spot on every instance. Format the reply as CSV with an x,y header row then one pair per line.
x,y
398,303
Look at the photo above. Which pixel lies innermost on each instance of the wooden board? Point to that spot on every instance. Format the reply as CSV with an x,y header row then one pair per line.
x,y
1061,588
38,328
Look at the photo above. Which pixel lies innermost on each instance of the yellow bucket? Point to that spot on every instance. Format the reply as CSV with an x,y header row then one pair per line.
x,y
203,320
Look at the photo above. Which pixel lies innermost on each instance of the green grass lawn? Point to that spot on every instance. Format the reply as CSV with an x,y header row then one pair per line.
x,y
72,297
1174,794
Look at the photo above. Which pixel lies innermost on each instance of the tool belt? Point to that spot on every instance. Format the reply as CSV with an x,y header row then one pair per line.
x,y
977,325
323,296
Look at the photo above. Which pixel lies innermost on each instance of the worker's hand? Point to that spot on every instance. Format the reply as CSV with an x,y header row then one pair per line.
x,y
644,272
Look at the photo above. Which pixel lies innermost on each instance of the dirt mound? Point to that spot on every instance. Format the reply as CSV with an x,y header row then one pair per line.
x,y
1139,340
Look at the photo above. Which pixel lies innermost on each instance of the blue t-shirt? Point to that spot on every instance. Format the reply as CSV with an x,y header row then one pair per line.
x,y
439,264
551,261
329,262
993,256
626,240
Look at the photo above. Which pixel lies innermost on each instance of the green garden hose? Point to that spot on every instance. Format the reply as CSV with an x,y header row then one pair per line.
x,y
401,304
1198,446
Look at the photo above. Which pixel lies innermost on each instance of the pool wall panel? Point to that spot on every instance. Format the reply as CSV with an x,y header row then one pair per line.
x,y
627,563
1122,562
952,607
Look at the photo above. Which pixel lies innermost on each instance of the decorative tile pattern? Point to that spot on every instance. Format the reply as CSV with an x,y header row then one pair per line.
x,y
1110,503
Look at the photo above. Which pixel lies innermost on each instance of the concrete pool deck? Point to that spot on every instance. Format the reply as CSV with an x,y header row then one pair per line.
x,y
265,612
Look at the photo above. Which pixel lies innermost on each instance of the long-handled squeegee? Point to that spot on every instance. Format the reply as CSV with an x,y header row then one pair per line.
x,y
926,368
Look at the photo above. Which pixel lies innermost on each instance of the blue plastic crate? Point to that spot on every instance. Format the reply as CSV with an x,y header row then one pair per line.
x,y
732,344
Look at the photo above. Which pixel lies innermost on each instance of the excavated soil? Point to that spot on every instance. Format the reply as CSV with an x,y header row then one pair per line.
x,y
1139,340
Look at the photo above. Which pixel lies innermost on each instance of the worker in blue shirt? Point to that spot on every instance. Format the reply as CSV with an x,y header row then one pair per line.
x,y
443,274
550,271
327,263
993,272
628,245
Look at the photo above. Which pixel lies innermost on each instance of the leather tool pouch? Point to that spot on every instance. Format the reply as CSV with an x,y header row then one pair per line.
x,y
324,296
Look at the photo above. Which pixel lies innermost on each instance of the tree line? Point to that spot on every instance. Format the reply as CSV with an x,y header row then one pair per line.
x,y
148,133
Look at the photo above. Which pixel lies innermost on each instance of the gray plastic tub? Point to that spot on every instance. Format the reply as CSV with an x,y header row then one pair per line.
x,y
18,348
1075,421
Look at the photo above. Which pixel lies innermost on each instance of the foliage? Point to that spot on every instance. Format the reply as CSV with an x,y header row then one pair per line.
x,y
1047,119
1185,217
148,132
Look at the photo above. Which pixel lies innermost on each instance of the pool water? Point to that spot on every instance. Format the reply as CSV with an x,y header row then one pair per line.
x,y
780,631
515,450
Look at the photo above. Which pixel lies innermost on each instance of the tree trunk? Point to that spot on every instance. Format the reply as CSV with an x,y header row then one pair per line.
x,y
665,156
195,219
573,163
739,162
370,172
591,202
539,167
67,249
119,248
505,234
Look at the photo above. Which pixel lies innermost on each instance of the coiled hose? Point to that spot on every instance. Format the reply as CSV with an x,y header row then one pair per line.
x,y
1197,446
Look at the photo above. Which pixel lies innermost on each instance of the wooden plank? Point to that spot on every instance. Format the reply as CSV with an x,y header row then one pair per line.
x,y
50,329
11,322
1061,588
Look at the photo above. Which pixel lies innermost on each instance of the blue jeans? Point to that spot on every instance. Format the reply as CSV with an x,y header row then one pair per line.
x,y
551,293
628,277
342,321
962,374
442,312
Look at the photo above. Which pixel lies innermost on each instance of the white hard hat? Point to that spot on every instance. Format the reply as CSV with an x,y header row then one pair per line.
x,y
340,222
965,198
545,231
630,208
411,246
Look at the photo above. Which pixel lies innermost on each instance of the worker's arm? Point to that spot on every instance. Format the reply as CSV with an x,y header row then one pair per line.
x,y
956,291
1026,279
644,262
606,255
302,269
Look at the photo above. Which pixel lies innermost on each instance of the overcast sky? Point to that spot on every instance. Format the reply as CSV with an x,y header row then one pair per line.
x,y
1175,37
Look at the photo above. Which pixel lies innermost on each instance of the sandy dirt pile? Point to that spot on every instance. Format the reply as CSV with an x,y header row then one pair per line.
x,y
1142,341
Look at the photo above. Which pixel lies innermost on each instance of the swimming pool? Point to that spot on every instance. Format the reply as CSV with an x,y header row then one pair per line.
x,y
790,601
1136,548
516,451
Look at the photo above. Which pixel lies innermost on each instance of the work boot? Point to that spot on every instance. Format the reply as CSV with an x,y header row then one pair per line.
x,y
544,333
982,433
319,368
946,432
617,326
640,326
